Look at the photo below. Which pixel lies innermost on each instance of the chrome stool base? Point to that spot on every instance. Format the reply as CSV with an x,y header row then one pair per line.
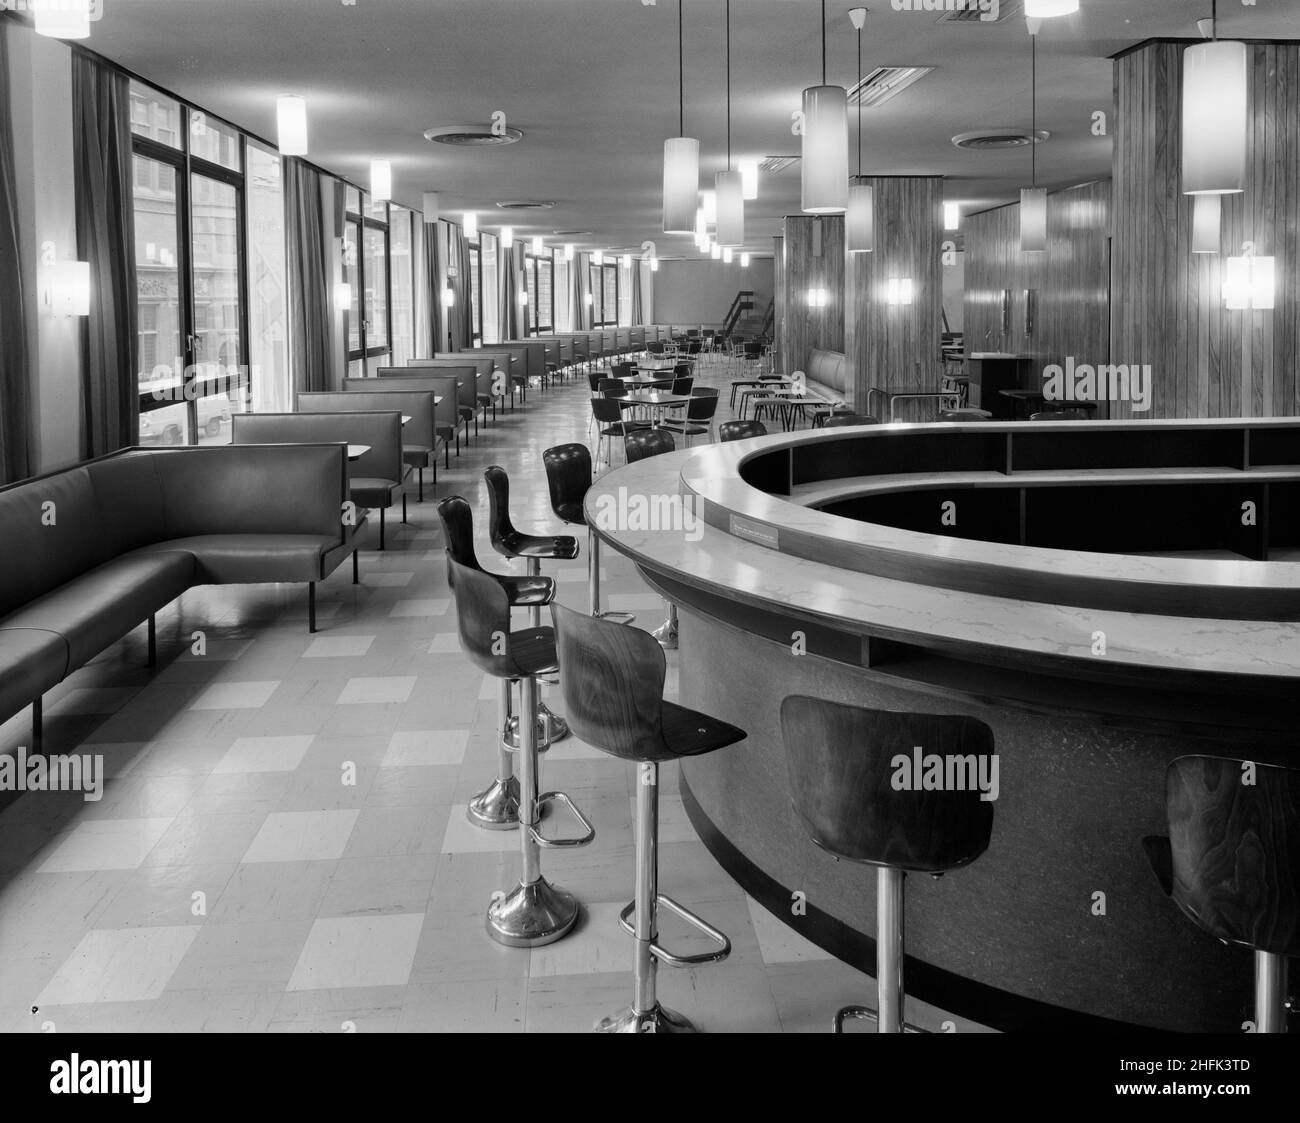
x,y
532,915
866,1013
547,723
666,634
496,808
656,1020
615,617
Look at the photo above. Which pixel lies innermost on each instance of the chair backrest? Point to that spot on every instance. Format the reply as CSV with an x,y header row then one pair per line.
x,y
611,384
741,430
702,407
415,404
655,348
680,370
753,350
845,764
595,378
612,680
647,442
482,618
838,419
621,370
380,429
457,519
683,385
695,347
607,410
568,477
467,377
1234,837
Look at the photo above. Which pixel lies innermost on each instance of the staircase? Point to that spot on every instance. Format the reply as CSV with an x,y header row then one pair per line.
x,y
743,303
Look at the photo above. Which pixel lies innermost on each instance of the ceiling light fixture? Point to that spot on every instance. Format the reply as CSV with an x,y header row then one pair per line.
x,y
381,181
825,144
681,158
749,177
291,125
507,237
729,185
744,261
470,228
1215,78
1047,9
1207,217
61,19
430,208
1033,200
860,217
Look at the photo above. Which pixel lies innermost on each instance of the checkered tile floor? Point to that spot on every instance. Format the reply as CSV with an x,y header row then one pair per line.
x,y
282,842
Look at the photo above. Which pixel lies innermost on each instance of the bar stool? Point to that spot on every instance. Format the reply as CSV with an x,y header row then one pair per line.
x,y
568,477
1231,863
511,543
496,808
612,678
640,445
839,759
535,912
741,430
965,415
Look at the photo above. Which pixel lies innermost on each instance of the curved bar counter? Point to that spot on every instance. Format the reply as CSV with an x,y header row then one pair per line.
x,y
978,587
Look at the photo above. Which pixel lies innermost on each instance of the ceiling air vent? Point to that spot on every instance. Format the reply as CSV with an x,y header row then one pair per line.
x,y
972,12
885,82
773,164
525,205
473,136
982,140
570,233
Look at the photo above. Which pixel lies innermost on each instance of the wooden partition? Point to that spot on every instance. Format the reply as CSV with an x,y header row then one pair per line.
x,y
812,259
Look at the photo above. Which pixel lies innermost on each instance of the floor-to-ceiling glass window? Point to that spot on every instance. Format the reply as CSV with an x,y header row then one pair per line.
x,y
268,290
488,262
366,270
541,289
625,292
192,296
610,304
562,295
476,289
400,227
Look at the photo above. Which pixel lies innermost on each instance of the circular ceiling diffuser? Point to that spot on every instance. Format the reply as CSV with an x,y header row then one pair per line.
x,y
985,139
570,233
525,205
473,136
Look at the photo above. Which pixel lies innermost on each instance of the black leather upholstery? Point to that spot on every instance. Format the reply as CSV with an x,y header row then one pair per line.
x,y
419,441
457,518
483,619
568,476
512,543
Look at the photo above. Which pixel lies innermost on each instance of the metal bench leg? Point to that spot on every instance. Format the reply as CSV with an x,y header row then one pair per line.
x,y
311,606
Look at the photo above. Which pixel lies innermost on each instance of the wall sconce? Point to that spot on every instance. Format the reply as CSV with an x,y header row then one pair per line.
x,y
726,255
381,181
1006,311
587,299
1207,219
715,251
449,297
1248,283
744,261
291,125
62,19
818,298
523,297
539,244
343,296
654,265
67,284
598,257
568,251
952,216
898,290
626,261
507,237
430,207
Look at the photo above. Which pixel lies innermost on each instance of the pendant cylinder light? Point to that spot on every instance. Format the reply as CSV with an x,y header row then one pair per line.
x,y
1214,118
744,261
430,208
470,228
860,218
1046,9
731,208
1207,215
507,237
381,181
61,19
1033,220
291,125
568,251
681,159
825,150
539,244
749,177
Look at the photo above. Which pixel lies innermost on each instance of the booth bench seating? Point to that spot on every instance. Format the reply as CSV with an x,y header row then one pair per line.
x,y
93,551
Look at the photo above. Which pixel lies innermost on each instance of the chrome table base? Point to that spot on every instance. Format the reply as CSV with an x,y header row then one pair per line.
x,y
531,915
656,1020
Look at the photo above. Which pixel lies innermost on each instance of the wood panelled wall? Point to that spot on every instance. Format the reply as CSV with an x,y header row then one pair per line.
x,y
778,293
898,345
802,268
1168,306
1069,280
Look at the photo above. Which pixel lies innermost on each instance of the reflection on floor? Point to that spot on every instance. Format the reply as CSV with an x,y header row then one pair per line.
x,y
282,842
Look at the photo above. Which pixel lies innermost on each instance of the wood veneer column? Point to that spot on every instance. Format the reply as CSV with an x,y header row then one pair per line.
x,y
884,342
808,263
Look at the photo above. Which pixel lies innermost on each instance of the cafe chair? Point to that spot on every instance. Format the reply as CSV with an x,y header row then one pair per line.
x,y
512,543
535,912
965,415
568,477
839,763
612,679
741,430
836,420
1231,863
496,808
699,416
611,422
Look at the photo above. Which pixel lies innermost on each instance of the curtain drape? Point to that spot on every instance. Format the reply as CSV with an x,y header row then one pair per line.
x,y
636,294
458,320
309,286
510,282
422,289
437,272
15,445
101,146
581,275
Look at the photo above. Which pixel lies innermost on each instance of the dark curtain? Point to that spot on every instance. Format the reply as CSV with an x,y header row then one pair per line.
x,y
437,269
101,145
510,314
15,454
581,274
463,313
637,313
309,287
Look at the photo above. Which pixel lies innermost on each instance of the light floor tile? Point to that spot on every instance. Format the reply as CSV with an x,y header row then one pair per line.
x,y
445,643
386,580
778,941
426,747
392,688
94,700
106,844
371,951
301,836
119,965
463,837
235,696
330,647
264,754
425,607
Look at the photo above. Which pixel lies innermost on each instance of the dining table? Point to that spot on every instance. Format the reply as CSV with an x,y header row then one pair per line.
x,y
356,452
655,402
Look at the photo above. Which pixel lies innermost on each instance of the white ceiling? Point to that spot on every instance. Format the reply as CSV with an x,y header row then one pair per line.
x,y
593,85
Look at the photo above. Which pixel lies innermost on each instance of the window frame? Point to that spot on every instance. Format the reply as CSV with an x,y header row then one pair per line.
x,y
363,221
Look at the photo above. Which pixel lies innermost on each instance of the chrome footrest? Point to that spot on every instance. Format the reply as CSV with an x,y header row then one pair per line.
x,y
616,617
663,954
560,843
865,1013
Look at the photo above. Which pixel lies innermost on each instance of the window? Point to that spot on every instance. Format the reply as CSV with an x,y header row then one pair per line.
x,y
268,295
400,231
562,294
604,295
366,269
192,291
476,289
625,293
539,274
488,285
